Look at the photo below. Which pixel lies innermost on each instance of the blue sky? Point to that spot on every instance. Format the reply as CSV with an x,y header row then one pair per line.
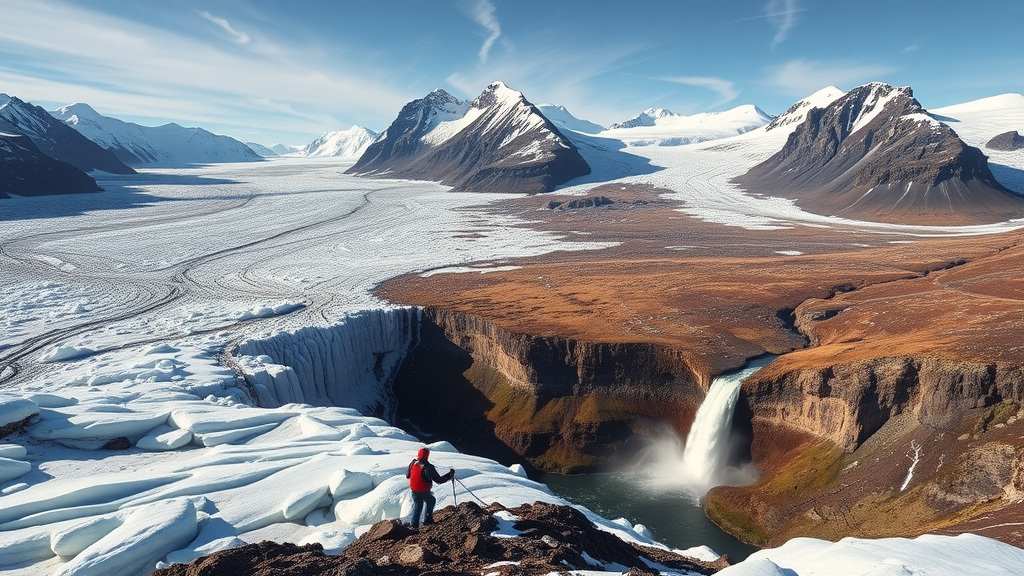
x,y
275,71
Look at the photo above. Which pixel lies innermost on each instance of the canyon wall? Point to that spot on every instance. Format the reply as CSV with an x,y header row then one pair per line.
x,y
847,403
562,404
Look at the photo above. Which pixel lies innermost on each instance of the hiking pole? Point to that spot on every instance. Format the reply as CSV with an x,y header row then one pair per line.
x,y
468,490
454,499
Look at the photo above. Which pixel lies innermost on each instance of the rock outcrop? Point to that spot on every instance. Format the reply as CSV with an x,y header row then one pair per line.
x,y
545,539
561,404
499,142
578,203
25,171
875,154
847,403
1007,141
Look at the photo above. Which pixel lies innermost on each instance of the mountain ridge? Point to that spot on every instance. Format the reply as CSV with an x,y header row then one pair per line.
x,y
876,154
499,142
55,139
169,144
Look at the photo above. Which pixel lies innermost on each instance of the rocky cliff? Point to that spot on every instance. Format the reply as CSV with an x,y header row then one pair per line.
x,y
902,417
562,404
875,154
499,142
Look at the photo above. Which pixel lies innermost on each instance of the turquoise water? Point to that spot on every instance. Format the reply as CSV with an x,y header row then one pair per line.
x,y
673,515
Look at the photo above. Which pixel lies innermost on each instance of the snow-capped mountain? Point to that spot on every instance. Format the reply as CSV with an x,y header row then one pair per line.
x,y
344,143
261,149
499,142
562,118
648,117
26,171
282,150
55,139
167,144
875,154
660,127
797,113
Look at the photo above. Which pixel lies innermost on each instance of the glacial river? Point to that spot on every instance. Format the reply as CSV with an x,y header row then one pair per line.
x,y
672,515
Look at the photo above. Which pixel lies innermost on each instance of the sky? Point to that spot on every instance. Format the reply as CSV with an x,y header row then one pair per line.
x,y
273,71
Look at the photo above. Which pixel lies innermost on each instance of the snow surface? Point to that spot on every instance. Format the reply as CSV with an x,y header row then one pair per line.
x,y
136,294
927,555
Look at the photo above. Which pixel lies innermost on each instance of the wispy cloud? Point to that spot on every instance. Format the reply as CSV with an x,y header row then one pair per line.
x,y
914,47
725,89
125,68
236,36
568,80
802,77
483,13
781,14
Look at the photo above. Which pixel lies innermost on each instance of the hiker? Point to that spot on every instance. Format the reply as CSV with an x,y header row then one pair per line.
x,y
422,475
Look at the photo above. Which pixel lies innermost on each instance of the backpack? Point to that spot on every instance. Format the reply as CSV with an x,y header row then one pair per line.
x,y
417,476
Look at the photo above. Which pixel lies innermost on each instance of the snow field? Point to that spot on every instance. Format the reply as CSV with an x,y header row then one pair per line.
x,y
926,555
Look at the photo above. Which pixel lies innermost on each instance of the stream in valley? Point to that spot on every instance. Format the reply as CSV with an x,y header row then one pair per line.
x,y
673,515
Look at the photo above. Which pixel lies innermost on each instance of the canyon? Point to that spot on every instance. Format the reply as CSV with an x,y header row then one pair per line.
x,y
894,407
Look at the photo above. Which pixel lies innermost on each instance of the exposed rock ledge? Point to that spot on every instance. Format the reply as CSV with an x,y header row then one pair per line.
x,y
547,539
847,403
563,404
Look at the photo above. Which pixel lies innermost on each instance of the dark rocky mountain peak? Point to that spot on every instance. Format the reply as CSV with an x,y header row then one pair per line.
x,y
875,154
499,142
53,138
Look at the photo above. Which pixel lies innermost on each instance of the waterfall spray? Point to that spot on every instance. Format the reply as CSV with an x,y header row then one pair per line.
x,y
705,458
703,461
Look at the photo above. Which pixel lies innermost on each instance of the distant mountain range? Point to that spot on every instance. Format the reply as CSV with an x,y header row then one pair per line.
x,y
660,127
169,144
349,143
876,154
262,150
499,142
55,139
565,120
873,153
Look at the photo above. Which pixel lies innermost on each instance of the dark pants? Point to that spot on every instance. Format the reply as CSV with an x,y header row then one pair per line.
x,y
418,500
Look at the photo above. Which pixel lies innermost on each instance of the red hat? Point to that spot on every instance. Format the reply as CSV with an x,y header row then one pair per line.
x,y
423,454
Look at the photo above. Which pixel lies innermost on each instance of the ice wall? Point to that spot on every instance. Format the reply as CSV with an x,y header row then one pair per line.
x,y
350,364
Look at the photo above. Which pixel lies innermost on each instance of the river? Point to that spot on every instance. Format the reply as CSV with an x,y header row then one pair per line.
x,y
673,515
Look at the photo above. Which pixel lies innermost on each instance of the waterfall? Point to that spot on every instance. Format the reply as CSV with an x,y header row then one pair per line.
x,y
705,457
